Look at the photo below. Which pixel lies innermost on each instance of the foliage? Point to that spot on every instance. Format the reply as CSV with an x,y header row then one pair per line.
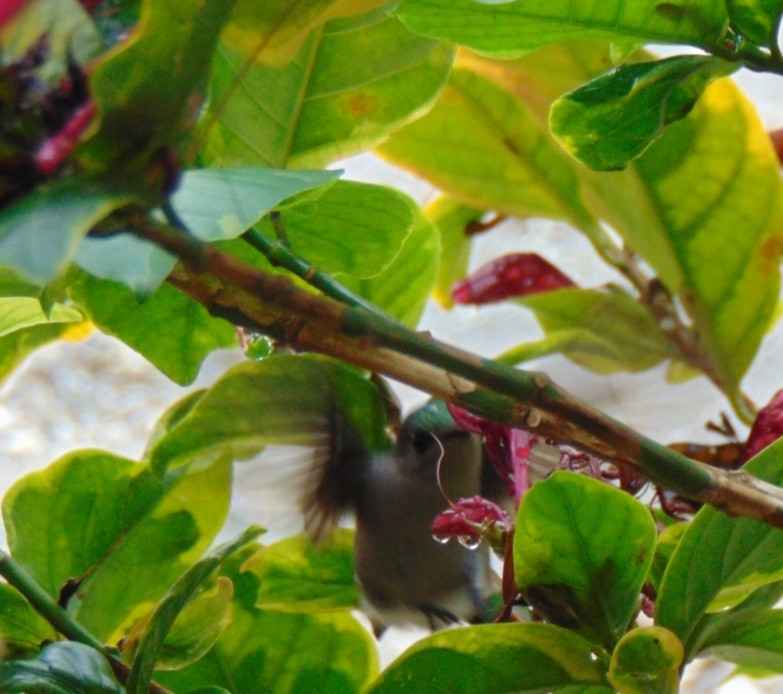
x,y
163,163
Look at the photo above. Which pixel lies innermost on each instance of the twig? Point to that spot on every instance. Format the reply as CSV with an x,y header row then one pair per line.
x,y
48,608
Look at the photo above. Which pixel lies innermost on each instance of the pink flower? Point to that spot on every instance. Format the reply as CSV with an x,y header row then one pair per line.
x,y
507,448
470,520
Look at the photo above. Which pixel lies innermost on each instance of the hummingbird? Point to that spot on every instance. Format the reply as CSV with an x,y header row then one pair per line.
x,y
405,575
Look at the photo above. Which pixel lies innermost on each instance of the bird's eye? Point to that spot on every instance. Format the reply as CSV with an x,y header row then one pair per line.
x,y
423,441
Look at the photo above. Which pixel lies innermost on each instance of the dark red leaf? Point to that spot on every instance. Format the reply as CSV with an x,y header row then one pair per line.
x,y
767,428
517,274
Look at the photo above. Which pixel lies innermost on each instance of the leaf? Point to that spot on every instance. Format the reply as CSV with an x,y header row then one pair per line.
x,y
218,204
352,228
755,641
495,658
756,20
647,661
479,145
39,235
282,400
680,205
604,331
507,29
22,629
403,287
16,346
20,312
193,633
720,561
588,544
273,32
452,220
352,83
267,651
664,549
61,668
297,576
169,329
149,88
140,265
177,597
100,518
614,118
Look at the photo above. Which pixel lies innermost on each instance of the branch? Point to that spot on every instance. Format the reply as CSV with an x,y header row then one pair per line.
x,y
271,304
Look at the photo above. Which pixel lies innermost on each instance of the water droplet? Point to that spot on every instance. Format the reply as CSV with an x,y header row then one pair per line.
x,y
442,539
469,541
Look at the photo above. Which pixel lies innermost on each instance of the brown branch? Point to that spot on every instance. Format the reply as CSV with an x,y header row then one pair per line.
x,y
272,304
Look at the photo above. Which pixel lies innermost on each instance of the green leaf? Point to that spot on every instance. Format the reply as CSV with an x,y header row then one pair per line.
x,y
353,82
100,518
282,400
755,641
61,668
273,32
508,29
495,658
680,204
169,329
479,145
664,550
40,234
604,331
297,576
720,561
756,20
218,204
403,287
140,265
452,220
16,346
267,651
711,626
352,228
149,89
20,312
647,661
614,118
22,629
590,546
281,652
680,208
197,627
157,627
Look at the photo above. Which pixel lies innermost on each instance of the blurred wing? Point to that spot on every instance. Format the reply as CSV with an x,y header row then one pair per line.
x,y
335,480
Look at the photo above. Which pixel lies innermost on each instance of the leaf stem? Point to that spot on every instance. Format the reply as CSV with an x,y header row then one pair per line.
x,y
43,603
59,618
278,253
